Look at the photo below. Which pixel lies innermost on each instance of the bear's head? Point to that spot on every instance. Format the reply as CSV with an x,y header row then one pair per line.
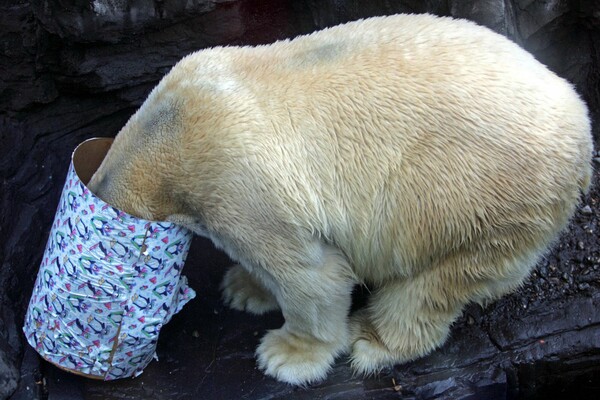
x,y
139,170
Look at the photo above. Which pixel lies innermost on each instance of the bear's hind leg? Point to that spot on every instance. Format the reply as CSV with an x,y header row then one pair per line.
x,y
406,319
397,326
243,292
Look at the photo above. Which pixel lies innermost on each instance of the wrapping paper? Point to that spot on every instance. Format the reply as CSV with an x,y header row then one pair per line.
x,y
107,284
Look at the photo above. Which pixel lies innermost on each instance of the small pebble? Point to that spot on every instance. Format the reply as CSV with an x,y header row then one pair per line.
x,y
195,334
596,160
587,210
589,261
583,286
580,246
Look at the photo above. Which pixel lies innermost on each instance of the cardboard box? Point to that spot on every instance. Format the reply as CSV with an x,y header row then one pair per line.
x,y
107,283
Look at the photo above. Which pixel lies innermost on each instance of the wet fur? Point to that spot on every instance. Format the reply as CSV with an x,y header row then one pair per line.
x,y
428,157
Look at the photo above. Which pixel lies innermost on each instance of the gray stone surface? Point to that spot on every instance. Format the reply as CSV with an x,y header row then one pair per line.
x,y
32,384
9,374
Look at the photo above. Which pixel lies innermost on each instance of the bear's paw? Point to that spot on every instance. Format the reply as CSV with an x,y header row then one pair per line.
x,y
368,355
293,359
241,292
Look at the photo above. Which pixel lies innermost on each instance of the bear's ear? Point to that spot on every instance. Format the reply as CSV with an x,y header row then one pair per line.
x,y
192,223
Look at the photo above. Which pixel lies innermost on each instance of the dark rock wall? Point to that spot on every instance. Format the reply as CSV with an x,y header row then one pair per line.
x,y
73,69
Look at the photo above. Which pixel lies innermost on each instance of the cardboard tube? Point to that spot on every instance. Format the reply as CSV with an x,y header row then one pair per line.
x,y
107,283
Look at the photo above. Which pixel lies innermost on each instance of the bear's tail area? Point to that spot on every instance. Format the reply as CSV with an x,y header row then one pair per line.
x,y
585,179
586,147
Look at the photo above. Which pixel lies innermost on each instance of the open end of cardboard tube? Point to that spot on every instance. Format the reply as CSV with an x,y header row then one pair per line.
x,y
88,156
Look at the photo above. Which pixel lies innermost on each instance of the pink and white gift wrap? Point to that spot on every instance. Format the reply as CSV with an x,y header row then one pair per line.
x,y
107,283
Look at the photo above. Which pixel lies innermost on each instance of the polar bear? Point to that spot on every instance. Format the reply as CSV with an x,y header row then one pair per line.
x,y
428,158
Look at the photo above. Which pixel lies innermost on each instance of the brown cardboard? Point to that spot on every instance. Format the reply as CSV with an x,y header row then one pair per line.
x,y
89,156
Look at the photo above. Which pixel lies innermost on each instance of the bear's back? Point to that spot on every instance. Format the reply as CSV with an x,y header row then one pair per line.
x,y
403,137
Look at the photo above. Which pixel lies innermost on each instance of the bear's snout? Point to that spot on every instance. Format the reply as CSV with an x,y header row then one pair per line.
x,y
100,186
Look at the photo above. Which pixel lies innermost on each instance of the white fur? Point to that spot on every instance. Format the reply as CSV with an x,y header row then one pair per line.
x,y
427,157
